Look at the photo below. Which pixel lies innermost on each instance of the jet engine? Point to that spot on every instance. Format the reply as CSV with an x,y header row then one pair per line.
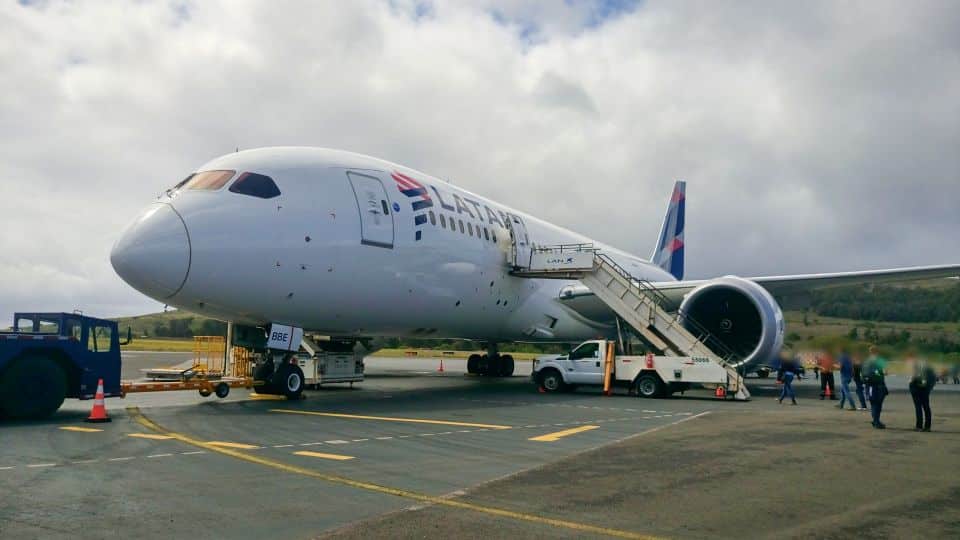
x,y
740,314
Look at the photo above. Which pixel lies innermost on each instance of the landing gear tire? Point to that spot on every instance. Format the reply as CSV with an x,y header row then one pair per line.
x,y
473,364
648,386
506,366
289,380
264,372
552,381
33,387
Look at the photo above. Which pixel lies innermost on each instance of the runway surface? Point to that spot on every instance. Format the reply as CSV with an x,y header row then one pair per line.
x,y
412,452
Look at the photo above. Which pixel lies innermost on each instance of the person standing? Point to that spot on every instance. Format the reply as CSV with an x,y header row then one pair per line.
x,y
874,376
846,376
921,384
789,368
825,363
858,380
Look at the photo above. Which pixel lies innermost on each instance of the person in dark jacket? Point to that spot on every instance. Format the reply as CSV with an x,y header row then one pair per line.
x,y
846,376
858,380
789,368
921,384
874,376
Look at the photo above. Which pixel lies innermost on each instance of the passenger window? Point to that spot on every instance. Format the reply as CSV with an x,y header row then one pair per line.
x,y
258,185
493,236
100,339
461,227
74,329
209,180
433,218
486,233
470,228
443,222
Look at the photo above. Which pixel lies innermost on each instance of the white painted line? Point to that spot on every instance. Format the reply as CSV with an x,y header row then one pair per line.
x,y
36,465
337,441
310,443
122,458
427,434
444,433
6,468
360,440
85,461
195,452
385,438
281,446
159,455
404,436
465,431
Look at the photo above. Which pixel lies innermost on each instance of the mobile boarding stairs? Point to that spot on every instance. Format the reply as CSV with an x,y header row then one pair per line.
x,y
636,301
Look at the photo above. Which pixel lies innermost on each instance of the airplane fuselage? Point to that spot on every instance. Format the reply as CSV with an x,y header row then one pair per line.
x,y
356,246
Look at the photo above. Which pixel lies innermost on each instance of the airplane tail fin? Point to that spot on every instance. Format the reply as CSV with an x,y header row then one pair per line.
x,y
669,251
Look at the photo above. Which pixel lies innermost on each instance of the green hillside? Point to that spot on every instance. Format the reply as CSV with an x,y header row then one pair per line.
x,y
923,315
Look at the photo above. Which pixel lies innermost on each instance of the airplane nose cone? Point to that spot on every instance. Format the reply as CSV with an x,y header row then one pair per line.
x,y
153,254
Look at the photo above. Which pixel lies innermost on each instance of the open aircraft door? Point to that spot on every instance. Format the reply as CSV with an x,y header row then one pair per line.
x,y
520,241
376,217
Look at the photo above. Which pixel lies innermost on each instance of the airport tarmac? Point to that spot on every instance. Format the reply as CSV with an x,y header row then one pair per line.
x,y
414,453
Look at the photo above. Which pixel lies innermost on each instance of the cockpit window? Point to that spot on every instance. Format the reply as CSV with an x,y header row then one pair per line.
x,y
209,180
255,185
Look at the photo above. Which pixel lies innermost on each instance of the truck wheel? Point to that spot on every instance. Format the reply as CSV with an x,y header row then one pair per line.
x,y
648,386
33,387
289,381
222,390
205,392
264,372
473,364
506,366
552,381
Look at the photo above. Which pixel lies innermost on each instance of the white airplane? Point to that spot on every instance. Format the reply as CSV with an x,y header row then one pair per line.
x,y
354,247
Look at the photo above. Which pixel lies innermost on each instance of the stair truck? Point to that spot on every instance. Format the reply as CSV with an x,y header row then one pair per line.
x,y
594,363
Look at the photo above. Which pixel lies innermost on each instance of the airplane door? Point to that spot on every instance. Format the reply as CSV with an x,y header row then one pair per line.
x,y
376,218
520,240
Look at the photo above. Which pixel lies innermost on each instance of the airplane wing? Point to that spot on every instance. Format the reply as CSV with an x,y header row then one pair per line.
x,y
581,299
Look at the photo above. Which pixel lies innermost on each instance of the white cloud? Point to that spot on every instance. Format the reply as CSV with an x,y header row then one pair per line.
x,y
814,137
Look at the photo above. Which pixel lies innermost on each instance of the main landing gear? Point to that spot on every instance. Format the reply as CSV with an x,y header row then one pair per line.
x,y
492,364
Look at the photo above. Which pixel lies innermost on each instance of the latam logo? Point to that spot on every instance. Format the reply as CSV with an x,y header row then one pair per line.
x,y
420,199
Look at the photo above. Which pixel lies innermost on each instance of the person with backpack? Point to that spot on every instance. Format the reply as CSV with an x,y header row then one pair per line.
x,y
875,379
846,376
789,368
922,381
858,380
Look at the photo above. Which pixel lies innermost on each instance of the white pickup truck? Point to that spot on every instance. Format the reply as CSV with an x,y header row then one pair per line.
x,y
649,376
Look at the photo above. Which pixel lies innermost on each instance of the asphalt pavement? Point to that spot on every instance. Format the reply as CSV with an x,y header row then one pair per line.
x,y
414,452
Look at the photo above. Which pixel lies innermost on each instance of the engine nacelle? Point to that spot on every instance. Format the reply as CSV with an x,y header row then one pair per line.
x,y
741,314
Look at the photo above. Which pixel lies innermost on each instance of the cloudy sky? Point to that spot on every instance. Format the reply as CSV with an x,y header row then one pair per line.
x,y
814,136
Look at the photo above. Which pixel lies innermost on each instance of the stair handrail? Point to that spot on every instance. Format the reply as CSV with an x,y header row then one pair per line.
x,y
648,289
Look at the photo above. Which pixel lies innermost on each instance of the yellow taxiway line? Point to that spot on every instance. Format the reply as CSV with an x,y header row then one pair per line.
x,y
557,435
138,417
392,419
322,455
152,436
225,444
80,429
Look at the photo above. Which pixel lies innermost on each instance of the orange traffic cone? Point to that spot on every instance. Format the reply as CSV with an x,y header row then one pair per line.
x,y
440,369
720,392
99,412
828,393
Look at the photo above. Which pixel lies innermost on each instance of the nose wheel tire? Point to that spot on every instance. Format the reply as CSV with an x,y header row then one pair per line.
x,y
289,380
264,372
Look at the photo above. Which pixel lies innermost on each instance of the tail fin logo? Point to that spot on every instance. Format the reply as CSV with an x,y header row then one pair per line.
x,y
669,251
